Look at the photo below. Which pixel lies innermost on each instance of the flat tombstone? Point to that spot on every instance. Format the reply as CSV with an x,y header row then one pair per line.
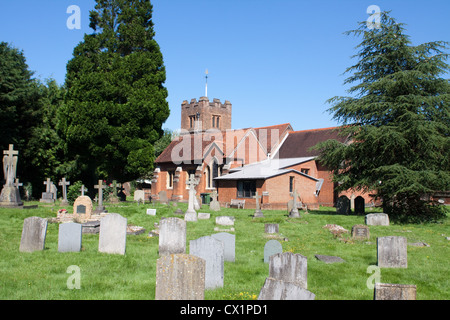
x,y
274,289
33,234
113,234
343,205
360,232
360,205
225,221
392,252
229,244
270,248
289,267
212,251
180,277
271,228
204,216
151,212
69,237
387,291
377,219
139,196
329,259
172,236
190,216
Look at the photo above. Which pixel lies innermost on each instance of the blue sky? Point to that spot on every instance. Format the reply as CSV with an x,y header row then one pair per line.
x,y
275,61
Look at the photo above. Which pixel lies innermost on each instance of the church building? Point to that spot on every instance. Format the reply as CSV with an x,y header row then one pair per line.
x,y
272,161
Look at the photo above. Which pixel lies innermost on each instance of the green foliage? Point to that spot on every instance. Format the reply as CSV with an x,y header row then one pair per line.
x,y
398,120
73,191
116,102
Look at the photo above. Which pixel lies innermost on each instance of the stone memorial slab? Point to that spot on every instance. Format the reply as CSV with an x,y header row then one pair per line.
x,y
63,183
204,216
270,248
329,259
33,234
214,205
69,237
388,291
343,205
10,195
271,228
113,234
172,236
392,252
360,205
192,183
83,207
212,251
91,227
293,212
274,289
289,267
229,244
360,232
225,221
180,277
151,212
377,219
162,195
258,213
139,196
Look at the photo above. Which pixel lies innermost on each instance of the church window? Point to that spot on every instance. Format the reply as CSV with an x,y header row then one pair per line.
x,y
170,175
246,188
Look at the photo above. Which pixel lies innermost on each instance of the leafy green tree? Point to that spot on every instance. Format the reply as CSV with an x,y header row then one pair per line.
x,y
399,121
116,102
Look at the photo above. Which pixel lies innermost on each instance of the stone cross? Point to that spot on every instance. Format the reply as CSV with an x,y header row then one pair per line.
x,y
10,164
100,188
294,212
214,195
82,190
48,184
64,184
258,213
192,183
17,184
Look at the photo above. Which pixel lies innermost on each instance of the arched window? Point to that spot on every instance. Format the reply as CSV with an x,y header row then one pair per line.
x,y
212,171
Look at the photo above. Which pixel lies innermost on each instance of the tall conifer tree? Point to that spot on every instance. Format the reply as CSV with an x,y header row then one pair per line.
x,y
399,119
116,102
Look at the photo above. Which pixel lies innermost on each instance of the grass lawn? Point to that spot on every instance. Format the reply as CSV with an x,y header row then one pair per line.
x,y
42,275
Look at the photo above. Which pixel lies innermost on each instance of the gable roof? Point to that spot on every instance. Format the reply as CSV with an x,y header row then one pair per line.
x,y
298,143
271,136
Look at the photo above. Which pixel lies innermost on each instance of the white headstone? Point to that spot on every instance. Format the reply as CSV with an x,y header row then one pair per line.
x,y
113,234
151,212
69,237
33,234
212,251
172,236
229,244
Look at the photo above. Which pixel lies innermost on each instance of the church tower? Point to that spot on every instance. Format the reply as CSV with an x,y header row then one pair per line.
x,y
204,115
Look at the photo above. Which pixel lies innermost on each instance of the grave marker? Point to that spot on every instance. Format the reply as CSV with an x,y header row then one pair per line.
x,y
212,251
274,289
100,187
10,195
377,219
343,205
388,291
258,213
180,277
172,236
151,212
294,211
33,234
360,205
289,267
64,185
360,232
392,252
191,214
47,196
270,248
229,244
113,234
214,205
271,228
69,237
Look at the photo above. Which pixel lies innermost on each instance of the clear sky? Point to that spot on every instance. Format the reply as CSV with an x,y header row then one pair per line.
x,y
275,61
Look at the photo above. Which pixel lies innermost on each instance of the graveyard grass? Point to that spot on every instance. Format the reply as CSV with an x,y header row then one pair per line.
x,y
42,275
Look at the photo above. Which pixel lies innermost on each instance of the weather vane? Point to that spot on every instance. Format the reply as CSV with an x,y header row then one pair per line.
x,y
206,86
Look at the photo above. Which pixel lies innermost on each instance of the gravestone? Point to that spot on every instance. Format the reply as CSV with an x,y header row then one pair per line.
x,y
274,289
343,205
360,205
225,220
113,234
212,251
47,196
294,211
329,259
151,212
203,216
214,205
33,234
258,213
92,227
180,277
191,214
392,252
229,244
113,197
360,232
377,219
270,248
69,237
289,267
388,291
172,236
10,195
63,183
83,207
163,197
271,228
100,186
